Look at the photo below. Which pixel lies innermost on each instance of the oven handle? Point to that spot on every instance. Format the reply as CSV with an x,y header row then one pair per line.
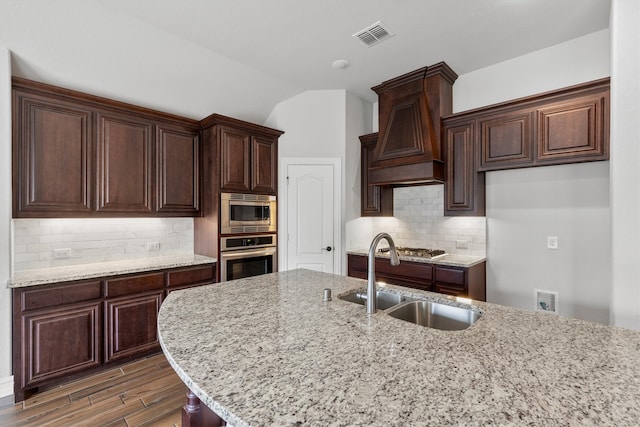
x,y
246,253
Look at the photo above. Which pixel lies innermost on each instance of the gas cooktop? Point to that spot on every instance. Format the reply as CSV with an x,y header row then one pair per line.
x,y
418,252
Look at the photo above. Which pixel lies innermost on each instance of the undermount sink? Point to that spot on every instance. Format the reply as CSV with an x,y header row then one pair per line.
x,y
384,300
435,315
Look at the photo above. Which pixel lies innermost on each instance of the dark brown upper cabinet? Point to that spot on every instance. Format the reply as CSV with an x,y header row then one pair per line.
x,y
464,187
53,156
77,155
178,169
235,155
125,149
375,200
264,164
409,148
248,154
506,139
569,125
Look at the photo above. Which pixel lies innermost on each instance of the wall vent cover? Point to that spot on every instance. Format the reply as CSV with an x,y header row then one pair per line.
x,y
373,34
546,301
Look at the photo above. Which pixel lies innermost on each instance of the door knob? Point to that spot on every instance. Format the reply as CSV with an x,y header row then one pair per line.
x,y
328,249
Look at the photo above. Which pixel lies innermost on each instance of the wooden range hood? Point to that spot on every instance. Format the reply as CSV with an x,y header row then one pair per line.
x,y
409,148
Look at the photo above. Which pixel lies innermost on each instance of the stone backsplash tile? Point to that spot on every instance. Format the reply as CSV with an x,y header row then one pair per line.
x,y
420,222
97,240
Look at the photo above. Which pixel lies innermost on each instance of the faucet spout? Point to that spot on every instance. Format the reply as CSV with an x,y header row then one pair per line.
x,y
371,276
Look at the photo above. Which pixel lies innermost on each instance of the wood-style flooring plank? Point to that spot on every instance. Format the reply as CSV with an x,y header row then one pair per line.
x,y
142,393
155,412
72,387
104,412
138,383
100,387
43,418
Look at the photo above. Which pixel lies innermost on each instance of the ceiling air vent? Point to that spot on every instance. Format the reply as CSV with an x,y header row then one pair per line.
x,y
373,34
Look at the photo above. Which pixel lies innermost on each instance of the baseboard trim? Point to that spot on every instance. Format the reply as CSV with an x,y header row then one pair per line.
x,y
6,389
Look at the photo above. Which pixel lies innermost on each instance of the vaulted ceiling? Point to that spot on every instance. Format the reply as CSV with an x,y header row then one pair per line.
x,y
240,58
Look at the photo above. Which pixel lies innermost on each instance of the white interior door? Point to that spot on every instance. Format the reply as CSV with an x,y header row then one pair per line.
x,y
312,215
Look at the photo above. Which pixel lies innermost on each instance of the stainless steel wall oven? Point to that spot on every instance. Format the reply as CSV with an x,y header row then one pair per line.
x,y
245,256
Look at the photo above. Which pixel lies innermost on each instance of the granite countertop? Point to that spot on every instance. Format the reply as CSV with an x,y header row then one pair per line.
x,y
267,351
44,276
452,260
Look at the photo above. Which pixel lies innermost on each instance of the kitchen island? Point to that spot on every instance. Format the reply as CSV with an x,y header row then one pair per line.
x,y
268,350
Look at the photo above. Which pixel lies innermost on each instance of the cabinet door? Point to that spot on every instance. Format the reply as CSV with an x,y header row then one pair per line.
x,y
506,140
178,170
264,162
464,188
575,130
52,157
234,159
375,200
124,164
60,341
131,325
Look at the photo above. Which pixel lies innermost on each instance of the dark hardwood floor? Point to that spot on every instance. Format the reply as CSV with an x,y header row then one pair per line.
x,y
146,392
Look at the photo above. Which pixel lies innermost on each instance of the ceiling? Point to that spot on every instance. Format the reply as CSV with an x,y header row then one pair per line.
x,y
240,58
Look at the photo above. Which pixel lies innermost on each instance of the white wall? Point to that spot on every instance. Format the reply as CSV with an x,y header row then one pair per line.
x,y
6,384
575,61
625,158
326,124
75,45
527,205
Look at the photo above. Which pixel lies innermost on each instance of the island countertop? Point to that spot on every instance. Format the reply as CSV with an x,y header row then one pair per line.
x,y
268,350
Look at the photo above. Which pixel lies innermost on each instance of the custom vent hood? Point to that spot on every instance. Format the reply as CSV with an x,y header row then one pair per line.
x,y
409,149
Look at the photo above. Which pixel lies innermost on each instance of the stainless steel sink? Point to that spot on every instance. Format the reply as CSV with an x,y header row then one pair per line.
x,y
435,315
384,300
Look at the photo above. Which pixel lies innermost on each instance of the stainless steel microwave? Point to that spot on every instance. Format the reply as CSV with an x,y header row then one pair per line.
x,y
247,213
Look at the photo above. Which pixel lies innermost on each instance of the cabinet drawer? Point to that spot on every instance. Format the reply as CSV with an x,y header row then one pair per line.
x,y
134,284
450,289
190,276
414,270
450,275
36,298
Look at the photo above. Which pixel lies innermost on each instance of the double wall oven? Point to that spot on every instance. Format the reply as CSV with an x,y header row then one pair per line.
x,y
244,252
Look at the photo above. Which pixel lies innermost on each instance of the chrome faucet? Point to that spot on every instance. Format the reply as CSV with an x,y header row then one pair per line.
x,y
371,276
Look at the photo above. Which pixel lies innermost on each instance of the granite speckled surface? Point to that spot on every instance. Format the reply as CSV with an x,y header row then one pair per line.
x,y
268,351
450,259
44,276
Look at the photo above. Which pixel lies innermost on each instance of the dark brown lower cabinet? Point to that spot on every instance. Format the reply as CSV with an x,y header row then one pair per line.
x,y
66,330
131,325
75,329
469,282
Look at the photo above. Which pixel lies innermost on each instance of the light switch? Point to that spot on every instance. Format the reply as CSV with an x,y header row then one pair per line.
x,y
552,242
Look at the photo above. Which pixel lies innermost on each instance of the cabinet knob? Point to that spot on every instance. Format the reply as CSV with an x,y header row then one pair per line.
x,y
328,249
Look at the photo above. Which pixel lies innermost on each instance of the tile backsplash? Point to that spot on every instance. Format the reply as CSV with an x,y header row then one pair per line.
x,y
97,240
418,221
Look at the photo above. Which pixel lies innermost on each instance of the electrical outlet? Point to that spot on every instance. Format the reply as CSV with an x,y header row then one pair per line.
x,y
552,242
153,246
64,253
462,244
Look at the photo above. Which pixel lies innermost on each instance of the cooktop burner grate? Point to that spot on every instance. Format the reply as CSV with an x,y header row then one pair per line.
x,y
417,252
